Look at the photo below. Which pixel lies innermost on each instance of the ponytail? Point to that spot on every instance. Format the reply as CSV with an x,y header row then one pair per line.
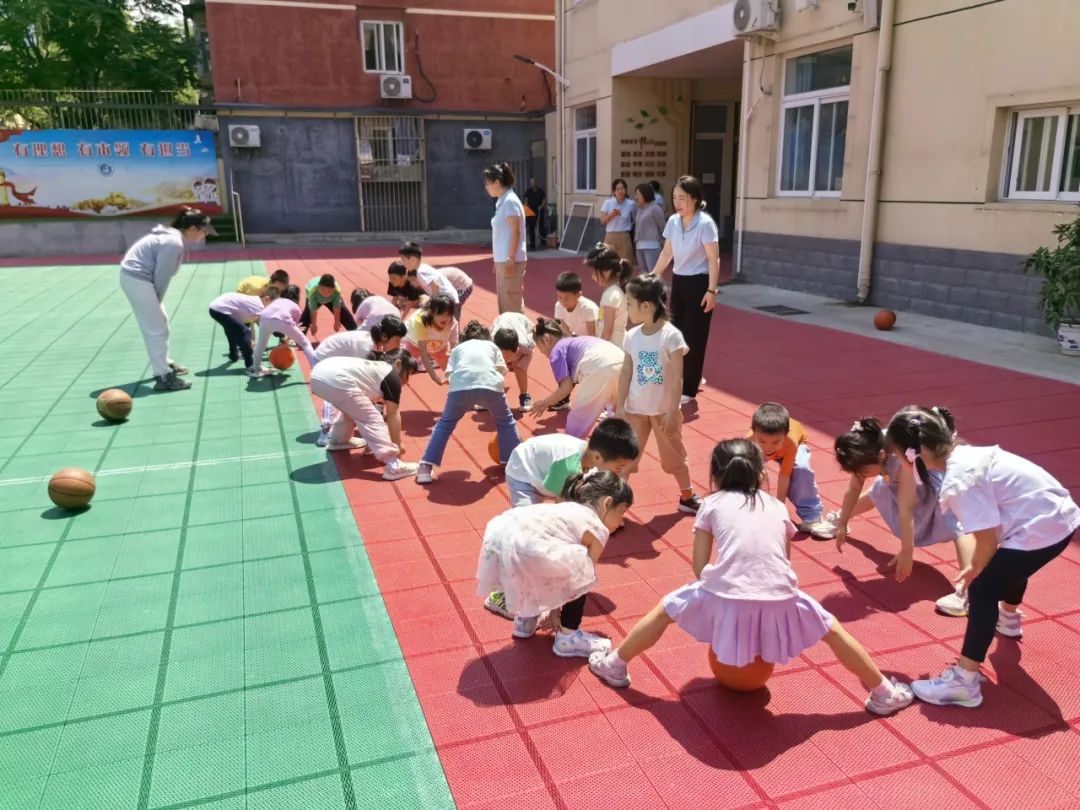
x,y
605,260
738,466
547,326
862,445
400,357
592,487
190,218
500,172
389,327
916,428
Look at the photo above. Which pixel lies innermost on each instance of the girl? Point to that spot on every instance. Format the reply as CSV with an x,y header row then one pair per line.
x,y
512,333
544,556
145,272
350,384
906,502
282,317
611,273
234,311
432,330
369,309
694,243
616,214
650,381
649,222
586,370
1022,518
747,602
507,238
475,372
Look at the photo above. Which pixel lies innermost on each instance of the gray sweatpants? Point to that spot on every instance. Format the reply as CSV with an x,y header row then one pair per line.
x,y
152,319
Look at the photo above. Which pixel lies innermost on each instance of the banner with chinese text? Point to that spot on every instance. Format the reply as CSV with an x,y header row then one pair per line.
x,y
106,173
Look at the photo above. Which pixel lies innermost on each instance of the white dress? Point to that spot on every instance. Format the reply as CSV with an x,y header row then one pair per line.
x,y
534,555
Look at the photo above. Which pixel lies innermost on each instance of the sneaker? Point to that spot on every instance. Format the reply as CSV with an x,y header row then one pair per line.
x,y
424,474
1008,624
684,400
818,529
561,405
233,356
609,668
949,689
690,505
524,626
702,383
900,698
496,603
579,644
324,438
256,373
525,403
179,370
351,444
954,604
170,382
401,469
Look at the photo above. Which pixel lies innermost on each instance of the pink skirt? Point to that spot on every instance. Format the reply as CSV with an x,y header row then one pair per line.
x,y
739,630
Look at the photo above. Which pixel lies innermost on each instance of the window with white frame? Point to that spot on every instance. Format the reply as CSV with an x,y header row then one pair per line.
x,y
384,47
585,148
813,123
1043,161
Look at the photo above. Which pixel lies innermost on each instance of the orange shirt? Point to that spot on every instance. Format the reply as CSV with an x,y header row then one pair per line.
x,y
790,446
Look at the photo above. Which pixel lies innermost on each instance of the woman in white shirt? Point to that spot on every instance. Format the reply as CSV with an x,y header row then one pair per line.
x,y
616,215
507,238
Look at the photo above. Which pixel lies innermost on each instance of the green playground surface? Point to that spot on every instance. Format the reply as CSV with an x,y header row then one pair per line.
x,y
209,633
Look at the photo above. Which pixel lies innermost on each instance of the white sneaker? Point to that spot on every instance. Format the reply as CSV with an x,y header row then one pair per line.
x,y
351,444
950,688
424,474
396,470
496,603
579,644
524,626
1008,624
900,698
324,438
256,373
953,604
819,529
684,400
608,667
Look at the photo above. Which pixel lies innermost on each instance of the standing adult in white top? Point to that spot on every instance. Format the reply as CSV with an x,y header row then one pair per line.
x,y
616,215
694,243
145,273
507,238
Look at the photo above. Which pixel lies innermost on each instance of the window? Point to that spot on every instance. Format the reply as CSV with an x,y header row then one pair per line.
x,y
1044,157
384,47
813,127
585,148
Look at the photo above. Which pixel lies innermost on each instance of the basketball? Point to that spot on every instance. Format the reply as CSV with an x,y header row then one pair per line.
x,y
493,449
71,488
114,405
884,319
282,357
741,679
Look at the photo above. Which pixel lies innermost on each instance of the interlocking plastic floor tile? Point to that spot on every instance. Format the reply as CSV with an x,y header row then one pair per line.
x,y
27,754
114,784
378,718
473,780
97,742
198,772
410,781
326,791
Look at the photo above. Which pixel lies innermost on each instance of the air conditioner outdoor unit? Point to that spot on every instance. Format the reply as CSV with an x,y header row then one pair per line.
x,y
756,18
477,140
244,136
206,122
395,85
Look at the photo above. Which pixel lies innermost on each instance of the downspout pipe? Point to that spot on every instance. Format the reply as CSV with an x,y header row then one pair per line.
x,y
872,195
740,202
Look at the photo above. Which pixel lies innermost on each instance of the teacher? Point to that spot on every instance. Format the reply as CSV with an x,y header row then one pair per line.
x,y
507,238
616,215
694,243
145,273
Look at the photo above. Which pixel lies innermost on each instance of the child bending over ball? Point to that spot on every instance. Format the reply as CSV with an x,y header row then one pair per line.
x,y
323,291
234,311
432,330
512,333
282,317
576,314
450,281
907,502
746,603
369,309
543,558
611,273
406,296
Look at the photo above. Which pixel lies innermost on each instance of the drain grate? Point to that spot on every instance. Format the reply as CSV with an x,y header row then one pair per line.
x,y
781,309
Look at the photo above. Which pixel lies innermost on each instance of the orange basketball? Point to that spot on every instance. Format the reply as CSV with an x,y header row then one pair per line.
x,y
741,679
884,319
282,357
114,405
71,488
493,449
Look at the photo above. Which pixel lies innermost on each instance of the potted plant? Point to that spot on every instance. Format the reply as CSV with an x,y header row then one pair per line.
x,y
1060,293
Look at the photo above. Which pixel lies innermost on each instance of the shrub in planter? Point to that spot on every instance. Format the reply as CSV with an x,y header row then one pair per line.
x,y
1060,293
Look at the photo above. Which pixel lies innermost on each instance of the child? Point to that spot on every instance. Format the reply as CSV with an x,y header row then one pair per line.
x,y
906,502
650,381
475,374
452,281
747,603
324,292
1022,518
370,309
513,335
234,311
406,296
611,273
575,313
282,317
432,330
350,384
544,556
783,440
586,371
254,285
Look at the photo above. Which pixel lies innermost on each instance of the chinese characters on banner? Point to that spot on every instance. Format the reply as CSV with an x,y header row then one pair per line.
x,y
643,157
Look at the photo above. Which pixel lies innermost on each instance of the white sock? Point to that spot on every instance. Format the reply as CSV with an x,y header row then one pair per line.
x,y
967,676
883,689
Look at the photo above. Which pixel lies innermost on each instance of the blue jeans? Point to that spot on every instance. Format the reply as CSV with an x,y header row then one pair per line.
x,y
458,403
803,491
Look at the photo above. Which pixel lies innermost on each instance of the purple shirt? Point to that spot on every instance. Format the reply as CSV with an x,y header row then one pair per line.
x,y
282,309
372,310
239,307
567,354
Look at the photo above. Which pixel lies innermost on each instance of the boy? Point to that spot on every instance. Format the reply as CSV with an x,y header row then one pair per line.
x,y
324,292
512,333
451,281
234,311
575,313
783,440
405,296
538,469
254,285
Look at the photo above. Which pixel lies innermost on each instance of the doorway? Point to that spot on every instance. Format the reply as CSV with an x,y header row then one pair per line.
x,y
711,152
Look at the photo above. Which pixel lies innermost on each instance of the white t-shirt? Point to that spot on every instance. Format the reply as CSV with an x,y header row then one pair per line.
x,y
508,206
434,282
476,364
533,459
650,353
458,277
621,223
346,344
345,373
987,487
521,325
688,244
579,319
751,547
614,297
373,309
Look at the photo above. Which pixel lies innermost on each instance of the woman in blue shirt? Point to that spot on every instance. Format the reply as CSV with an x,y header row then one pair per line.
x,y
507,238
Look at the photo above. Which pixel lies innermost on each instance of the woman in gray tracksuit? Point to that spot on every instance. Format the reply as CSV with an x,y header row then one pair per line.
x,y
145,273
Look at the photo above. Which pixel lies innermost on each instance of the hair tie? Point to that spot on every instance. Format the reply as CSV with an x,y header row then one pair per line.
x,y
856,426
911,456
590,473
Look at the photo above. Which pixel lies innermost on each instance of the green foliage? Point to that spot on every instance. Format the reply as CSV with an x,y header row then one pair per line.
x,y
1060,271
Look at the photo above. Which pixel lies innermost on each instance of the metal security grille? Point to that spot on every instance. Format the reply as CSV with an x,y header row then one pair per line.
x,y
95,109
390,163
